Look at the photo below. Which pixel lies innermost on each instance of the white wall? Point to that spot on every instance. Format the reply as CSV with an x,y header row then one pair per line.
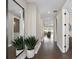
x,y
35,24
66,29
59,30
68,7
63,41
39,26
31,17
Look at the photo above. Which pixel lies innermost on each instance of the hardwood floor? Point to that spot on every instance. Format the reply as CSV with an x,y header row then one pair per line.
x,y
51,51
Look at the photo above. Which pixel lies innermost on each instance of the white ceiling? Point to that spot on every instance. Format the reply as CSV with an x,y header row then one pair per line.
x,y
46,8
48,5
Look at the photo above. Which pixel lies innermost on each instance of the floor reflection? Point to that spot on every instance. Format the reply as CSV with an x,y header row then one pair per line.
x,y
48,42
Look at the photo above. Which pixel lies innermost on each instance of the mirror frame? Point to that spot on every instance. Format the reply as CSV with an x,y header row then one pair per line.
x,y
19,6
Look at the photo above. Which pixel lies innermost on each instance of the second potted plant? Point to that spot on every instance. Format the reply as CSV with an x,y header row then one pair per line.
x,y
30,43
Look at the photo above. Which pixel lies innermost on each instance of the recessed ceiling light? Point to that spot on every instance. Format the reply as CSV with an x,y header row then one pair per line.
x,y
48,12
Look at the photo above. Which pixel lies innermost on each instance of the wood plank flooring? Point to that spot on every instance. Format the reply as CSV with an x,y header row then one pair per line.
x,y
51,51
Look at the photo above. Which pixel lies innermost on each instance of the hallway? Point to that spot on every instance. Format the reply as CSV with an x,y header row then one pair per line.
x,y
49,50
40,18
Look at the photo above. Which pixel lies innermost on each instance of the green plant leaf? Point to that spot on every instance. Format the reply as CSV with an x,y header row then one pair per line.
x,y
30,42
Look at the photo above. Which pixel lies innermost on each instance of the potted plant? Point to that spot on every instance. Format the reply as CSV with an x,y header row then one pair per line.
x,y
18,43
30,43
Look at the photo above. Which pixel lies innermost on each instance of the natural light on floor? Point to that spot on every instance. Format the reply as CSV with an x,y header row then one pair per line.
x,y
46,39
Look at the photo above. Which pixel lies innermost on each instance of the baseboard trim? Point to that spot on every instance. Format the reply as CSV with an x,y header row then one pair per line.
x,y
61,49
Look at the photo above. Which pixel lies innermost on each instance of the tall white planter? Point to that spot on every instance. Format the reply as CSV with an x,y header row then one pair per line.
x,y
30,53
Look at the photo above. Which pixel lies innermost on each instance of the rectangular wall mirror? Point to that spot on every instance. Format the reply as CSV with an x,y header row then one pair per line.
x,y
15,22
